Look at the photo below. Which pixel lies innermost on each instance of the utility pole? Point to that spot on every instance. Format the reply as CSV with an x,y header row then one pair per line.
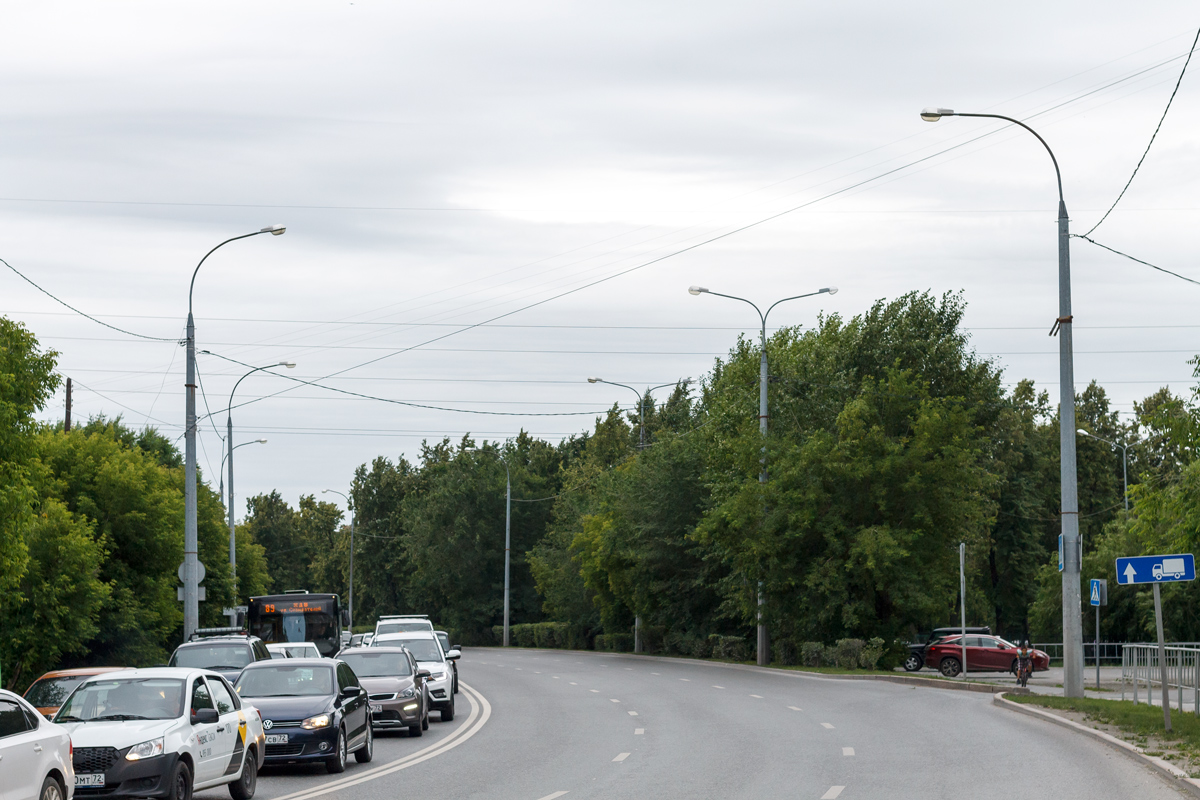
x,y
67,419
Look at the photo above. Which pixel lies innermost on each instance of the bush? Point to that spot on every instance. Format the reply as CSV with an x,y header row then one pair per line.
x,y
812,654
653,638
785,652
871,653
732,648
847,651
615,642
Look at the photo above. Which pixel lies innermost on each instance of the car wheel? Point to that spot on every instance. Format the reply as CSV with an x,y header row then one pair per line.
x,y
364,754
418,727
337,762
950,667
180,785
448,710
51,790
243,788
913,663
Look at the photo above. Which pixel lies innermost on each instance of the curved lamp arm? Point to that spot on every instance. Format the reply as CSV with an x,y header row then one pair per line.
x,y
274,230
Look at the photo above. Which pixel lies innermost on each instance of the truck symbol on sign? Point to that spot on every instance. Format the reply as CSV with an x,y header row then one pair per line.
x,y
1170,567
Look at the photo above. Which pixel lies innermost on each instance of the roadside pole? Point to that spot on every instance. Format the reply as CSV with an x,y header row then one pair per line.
x,y
1162,656
1099,597
962,589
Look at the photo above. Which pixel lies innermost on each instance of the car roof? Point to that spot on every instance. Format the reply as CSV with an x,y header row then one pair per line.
x,y
401,636
161,672
80,672
293,662
228,637
381,649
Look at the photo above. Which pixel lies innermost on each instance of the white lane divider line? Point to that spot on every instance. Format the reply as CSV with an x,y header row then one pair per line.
x,y
552,796
622,756
655,673
613,700
595,691
833,792
686,680
554,676
639,731
759,696
633,713
793,708
535,672
573,683
826,725
718,687
629,668
847,751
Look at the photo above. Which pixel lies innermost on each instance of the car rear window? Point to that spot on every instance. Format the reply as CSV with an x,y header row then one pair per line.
x,y
378,665
401,627
212,656
51,692
282,680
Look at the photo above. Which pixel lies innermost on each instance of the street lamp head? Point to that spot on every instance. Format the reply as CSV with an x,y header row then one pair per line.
x,y
828,290
934,114
696,290
593,380
261,441
274,230
288,364
1082,432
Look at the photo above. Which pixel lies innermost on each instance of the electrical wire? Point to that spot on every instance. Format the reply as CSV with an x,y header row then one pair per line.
x,y
1086,238
1154,135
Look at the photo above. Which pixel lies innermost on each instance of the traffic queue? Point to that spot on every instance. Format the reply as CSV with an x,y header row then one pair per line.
x,y
288,689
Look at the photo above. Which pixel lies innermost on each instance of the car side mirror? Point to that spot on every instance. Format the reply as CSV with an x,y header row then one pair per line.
x,y
345,618
351,691
423,673
205,716
454,655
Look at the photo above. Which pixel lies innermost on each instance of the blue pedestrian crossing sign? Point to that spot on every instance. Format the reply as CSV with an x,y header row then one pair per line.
x,y
1156,569
1099,592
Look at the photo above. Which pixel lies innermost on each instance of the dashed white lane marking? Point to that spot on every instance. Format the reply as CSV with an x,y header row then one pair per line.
x,y
793,708
552,796
613,700
518,669
629,668
759,696
554,676
826,725
623,756
573,683
638,731
718,687
535,672
833,792
655,673
847,751
595,691
686,680
633,713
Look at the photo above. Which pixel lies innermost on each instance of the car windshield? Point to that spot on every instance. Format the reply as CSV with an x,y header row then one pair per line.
x,y
424,649
124,698
51,692
401,627
281,680
212,656
378,665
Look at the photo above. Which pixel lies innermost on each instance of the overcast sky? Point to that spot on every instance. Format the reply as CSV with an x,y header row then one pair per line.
x,y
439,165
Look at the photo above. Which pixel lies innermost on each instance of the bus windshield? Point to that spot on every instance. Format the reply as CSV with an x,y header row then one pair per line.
x,y
297,618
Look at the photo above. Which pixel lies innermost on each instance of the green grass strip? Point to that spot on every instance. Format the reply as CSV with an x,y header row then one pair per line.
x,y
1140,720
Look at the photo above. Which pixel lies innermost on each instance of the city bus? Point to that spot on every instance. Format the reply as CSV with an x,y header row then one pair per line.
x,y
299,616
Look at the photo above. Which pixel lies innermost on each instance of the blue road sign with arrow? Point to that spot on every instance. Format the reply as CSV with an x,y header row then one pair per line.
x,y
1156,569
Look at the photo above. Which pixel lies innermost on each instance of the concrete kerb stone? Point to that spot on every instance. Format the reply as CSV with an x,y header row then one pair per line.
x,y
1161,766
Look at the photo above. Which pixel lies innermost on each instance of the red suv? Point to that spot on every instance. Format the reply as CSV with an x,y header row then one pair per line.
x,y
984,654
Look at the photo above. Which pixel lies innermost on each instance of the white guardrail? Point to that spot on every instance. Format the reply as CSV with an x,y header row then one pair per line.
x,y
1139,666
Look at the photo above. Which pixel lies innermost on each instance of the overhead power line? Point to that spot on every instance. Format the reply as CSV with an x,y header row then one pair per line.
x,y
1086,238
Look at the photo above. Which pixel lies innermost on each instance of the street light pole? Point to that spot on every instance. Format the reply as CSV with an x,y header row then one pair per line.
x,y
191,561
507,536
637,618
232,541
764,656
1071,601
353,516
1124,460
229,455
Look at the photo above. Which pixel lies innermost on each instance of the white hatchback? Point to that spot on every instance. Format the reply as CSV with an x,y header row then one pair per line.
x,y
162,732
35,755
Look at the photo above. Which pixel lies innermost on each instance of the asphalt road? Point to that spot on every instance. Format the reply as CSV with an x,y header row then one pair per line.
x,y
533,725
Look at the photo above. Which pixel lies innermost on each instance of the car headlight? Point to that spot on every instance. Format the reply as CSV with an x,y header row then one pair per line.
x,y
437,676
319,721
409,692
154,747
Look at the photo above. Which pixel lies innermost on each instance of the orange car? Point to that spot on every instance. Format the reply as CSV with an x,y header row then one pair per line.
x,y
48,692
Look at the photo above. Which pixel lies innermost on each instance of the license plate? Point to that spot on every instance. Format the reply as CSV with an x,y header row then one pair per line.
x,y
376,708
277,738
89,779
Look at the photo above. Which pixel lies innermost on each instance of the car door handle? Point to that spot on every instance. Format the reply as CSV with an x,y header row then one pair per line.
x,y
37,748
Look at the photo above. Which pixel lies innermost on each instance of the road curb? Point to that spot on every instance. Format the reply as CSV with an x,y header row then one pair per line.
x,y
1163,767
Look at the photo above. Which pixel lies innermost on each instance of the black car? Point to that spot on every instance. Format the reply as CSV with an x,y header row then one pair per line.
x,y
222,650
916,652
313,710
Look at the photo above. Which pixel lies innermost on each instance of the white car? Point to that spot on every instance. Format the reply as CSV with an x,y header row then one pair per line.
x,y
162,732
35,755
403,623
426,648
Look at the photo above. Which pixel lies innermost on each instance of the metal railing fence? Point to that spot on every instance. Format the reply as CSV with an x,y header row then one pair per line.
x,y
1139,665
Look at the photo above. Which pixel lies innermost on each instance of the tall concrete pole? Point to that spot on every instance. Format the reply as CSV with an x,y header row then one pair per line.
x,y
229,507
1072,609
507,541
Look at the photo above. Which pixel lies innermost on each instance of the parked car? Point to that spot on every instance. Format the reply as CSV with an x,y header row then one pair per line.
x,y
916,651
48,692
395,685
430,657
295,649
220,650
984,654
162,732
313,709
35,754
444,638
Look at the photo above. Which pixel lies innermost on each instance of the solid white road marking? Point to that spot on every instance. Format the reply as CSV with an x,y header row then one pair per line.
x,y
613,700
622,756
847,751
759,696
833,792
552,796
793,708
826,725
638,731
633,713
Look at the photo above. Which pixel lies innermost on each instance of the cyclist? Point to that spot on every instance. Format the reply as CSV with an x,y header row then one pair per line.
x,y
1024,662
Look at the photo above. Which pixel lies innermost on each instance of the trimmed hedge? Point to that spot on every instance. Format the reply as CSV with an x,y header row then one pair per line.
x,y
548,635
